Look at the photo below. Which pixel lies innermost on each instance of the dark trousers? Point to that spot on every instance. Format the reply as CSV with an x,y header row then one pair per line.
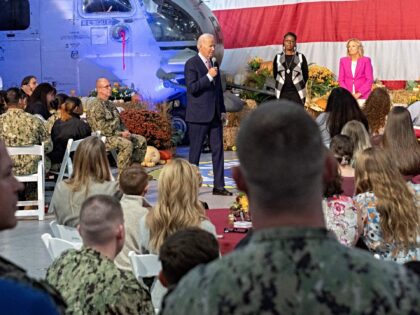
x,y
292,96
197,133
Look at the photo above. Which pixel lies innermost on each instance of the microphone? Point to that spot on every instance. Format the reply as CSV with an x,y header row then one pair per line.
x,y
214,62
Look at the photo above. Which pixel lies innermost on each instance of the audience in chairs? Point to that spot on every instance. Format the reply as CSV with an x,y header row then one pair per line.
x,y
177,206
23,129
399,140
88,279
39,102
341,108
66,127
9,188
392,230
291,265
134,183
91,176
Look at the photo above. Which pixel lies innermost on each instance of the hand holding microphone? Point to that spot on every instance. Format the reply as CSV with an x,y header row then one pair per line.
x,y
214,70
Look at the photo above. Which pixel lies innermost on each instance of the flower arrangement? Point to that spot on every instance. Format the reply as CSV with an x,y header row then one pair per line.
x,y
240,208
119,92
154,126
255,63
321,81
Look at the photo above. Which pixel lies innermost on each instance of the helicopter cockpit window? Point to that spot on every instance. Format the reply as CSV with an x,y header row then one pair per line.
x,y
106,6
14,15
170,22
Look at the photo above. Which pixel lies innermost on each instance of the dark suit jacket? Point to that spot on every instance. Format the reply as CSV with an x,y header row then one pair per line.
x,y
204,98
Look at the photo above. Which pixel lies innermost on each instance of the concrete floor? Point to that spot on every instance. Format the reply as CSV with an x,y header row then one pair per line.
x,y
23,244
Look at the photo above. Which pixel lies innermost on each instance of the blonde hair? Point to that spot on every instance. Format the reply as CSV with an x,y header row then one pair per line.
x,y
358,134
178,206
359,44
399,216
90,165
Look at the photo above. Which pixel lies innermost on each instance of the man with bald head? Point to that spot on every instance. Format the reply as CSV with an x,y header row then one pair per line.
x,y
206,108
88,279
291,264
102,115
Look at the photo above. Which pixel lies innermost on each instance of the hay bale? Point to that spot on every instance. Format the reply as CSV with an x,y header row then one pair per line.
x,y
229,137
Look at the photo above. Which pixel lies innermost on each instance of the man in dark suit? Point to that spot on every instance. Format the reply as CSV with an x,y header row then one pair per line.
x,y
206,109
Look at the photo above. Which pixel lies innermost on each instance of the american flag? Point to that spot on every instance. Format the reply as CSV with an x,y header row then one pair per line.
x,y
388,29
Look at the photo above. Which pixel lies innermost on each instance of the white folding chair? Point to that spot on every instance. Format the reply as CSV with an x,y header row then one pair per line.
x,y
56,246
54,228
66,168
38,177
69,233
144,266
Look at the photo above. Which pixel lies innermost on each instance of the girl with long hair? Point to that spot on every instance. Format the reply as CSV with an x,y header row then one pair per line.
x,y
91,176
400,141
39,102
359,136
391,207
342,148
376,109
177,206
341,108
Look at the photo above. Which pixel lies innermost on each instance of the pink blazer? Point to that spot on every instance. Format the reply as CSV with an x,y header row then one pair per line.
x,y
363,78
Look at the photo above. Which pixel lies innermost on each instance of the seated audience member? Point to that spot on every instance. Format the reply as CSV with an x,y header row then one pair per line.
x,y
88,279
358,135
342,148
400,142
134,183
55,110
103,116
9,188
28,85
3,103
183,251
341,108
376,109
291,265
340,211
414,110
392,227
39,102
66,127
91,176
23,129
177,206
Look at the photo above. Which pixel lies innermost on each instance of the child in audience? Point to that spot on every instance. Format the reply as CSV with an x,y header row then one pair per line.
x,y
91,176
392,227
183,251
400,142
341,213
342,148
376,108
134,183
358,135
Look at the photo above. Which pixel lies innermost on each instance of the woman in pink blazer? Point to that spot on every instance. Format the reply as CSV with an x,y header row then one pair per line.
x,y
356,72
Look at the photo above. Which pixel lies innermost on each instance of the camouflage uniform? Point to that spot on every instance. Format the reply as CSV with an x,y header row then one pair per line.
x,y
10,271
91,284
19,128
103,116
296,271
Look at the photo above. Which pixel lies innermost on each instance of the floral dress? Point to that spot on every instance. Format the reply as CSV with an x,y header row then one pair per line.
x,y
341,214
372,235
